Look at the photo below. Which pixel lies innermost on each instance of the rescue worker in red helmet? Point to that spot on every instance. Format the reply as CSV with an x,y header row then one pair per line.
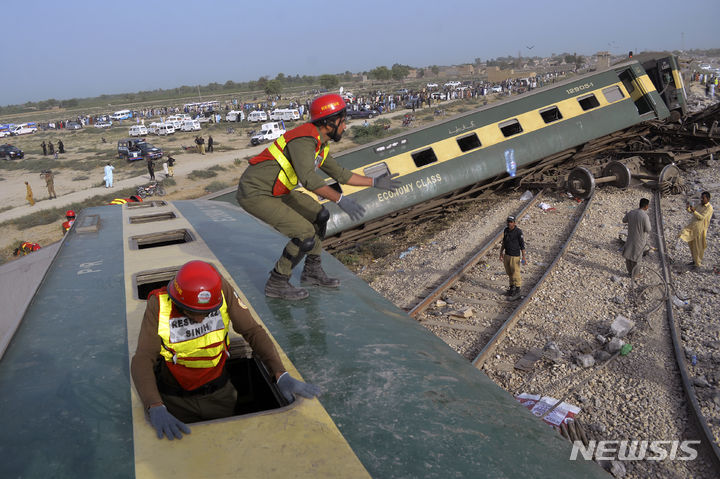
x,y
25,248
267,191
70,220
179,365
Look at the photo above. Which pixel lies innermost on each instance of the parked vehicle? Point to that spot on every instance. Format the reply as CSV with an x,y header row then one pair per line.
x,y
73,125
269,132
4,133
496,89
174,121
256,116
103,124
23,129
285,114
235,115
164,129
136,149
138,130
10,152
432,85
362,113
453,84
190,125
121,115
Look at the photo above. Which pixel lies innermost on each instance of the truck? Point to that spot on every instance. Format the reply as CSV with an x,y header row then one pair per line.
x,y
269,132
23,128
137,149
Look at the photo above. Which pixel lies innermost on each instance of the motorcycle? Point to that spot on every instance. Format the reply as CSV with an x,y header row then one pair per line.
x,y
151,189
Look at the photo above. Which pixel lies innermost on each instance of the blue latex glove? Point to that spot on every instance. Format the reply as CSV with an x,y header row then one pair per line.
x,y
289,385
385,182
351,207
166,423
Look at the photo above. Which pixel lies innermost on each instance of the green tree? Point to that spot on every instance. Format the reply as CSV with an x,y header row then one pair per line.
x,y
328,81
381,73
280,77
435,69
399,72
273,87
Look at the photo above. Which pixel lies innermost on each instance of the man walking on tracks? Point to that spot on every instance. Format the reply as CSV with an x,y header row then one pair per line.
x,y
267,191
638,227
513,245
695,233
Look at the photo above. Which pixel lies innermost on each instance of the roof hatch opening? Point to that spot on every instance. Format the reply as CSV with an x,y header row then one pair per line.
x,y
164,238
168,215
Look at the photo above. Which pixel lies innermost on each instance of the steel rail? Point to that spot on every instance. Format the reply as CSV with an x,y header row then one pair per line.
x,y
700,420
469,264
509,323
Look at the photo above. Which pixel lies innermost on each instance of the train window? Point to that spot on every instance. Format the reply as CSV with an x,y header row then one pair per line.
x,y
613,93
626,78
588,102
469,142
510,127
424,157
551,114
377,170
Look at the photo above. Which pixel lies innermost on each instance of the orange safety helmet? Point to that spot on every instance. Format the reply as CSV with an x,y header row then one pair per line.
x,y
69,214
197,287
326,106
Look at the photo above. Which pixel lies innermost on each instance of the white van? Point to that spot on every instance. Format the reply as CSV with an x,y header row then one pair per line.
x,y
190,125
269,132
164,129
121,115
285,114
174,121
257,116
138,130
235,115
23,128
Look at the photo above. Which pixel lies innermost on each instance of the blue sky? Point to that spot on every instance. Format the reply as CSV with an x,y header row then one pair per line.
x,y
77,48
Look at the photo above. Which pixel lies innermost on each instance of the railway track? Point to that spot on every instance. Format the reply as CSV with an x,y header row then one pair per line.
x,y
449,310
690,387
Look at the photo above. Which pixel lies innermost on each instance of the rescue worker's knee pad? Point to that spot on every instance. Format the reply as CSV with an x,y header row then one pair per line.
x,y
321,222
304,245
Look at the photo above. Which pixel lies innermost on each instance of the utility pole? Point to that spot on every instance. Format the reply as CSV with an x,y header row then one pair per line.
x,y
682,41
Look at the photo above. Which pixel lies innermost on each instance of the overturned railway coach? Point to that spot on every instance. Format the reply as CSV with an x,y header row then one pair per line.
x,y
494,141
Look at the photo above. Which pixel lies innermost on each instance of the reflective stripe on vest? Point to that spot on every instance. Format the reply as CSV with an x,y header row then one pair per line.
x,y
191,344
118,201
287,175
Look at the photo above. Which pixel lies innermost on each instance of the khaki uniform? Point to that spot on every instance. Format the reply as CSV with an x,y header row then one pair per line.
x,y
292,214
512,268
192,408
695,233
29,194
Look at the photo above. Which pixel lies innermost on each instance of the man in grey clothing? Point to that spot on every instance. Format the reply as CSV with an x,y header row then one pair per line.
x,y
638,223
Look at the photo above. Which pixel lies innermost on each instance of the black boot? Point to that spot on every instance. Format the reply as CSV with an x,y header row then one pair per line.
x,y
314,274
514,291
510,290
278,286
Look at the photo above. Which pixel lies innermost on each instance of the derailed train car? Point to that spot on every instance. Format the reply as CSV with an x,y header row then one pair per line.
x,y
497,139
397,401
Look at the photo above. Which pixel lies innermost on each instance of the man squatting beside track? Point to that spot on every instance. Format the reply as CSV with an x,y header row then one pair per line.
x,y
267,191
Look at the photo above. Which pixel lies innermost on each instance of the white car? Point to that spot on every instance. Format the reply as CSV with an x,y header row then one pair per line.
x,y
453,84
496,89
102,124
432,85
4,133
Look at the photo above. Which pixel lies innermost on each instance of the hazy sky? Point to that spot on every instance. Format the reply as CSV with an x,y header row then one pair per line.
x,y
77,48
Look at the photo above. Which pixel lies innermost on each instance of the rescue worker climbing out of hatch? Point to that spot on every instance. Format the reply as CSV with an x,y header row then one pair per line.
x,y
70,217
267,191
179,366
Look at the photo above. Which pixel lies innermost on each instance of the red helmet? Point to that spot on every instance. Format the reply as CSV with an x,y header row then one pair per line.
x,y
69,214
197,287
326,106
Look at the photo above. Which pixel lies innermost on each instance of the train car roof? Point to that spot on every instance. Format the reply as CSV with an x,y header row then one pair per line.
x,y
397,401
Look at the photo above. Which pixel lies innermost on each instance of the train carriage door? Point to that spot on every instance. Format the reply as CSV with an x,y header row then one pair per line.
x,y
636,91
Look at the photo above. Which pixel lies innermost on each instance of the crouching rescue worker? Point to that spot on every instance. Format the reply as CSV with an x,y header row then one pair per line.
x,y
179,366
267,191
25,248
70,220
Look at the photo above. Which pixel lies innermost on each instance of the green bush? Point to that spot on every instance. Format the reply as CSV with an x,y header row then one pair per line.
x,y
198,174
216,186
